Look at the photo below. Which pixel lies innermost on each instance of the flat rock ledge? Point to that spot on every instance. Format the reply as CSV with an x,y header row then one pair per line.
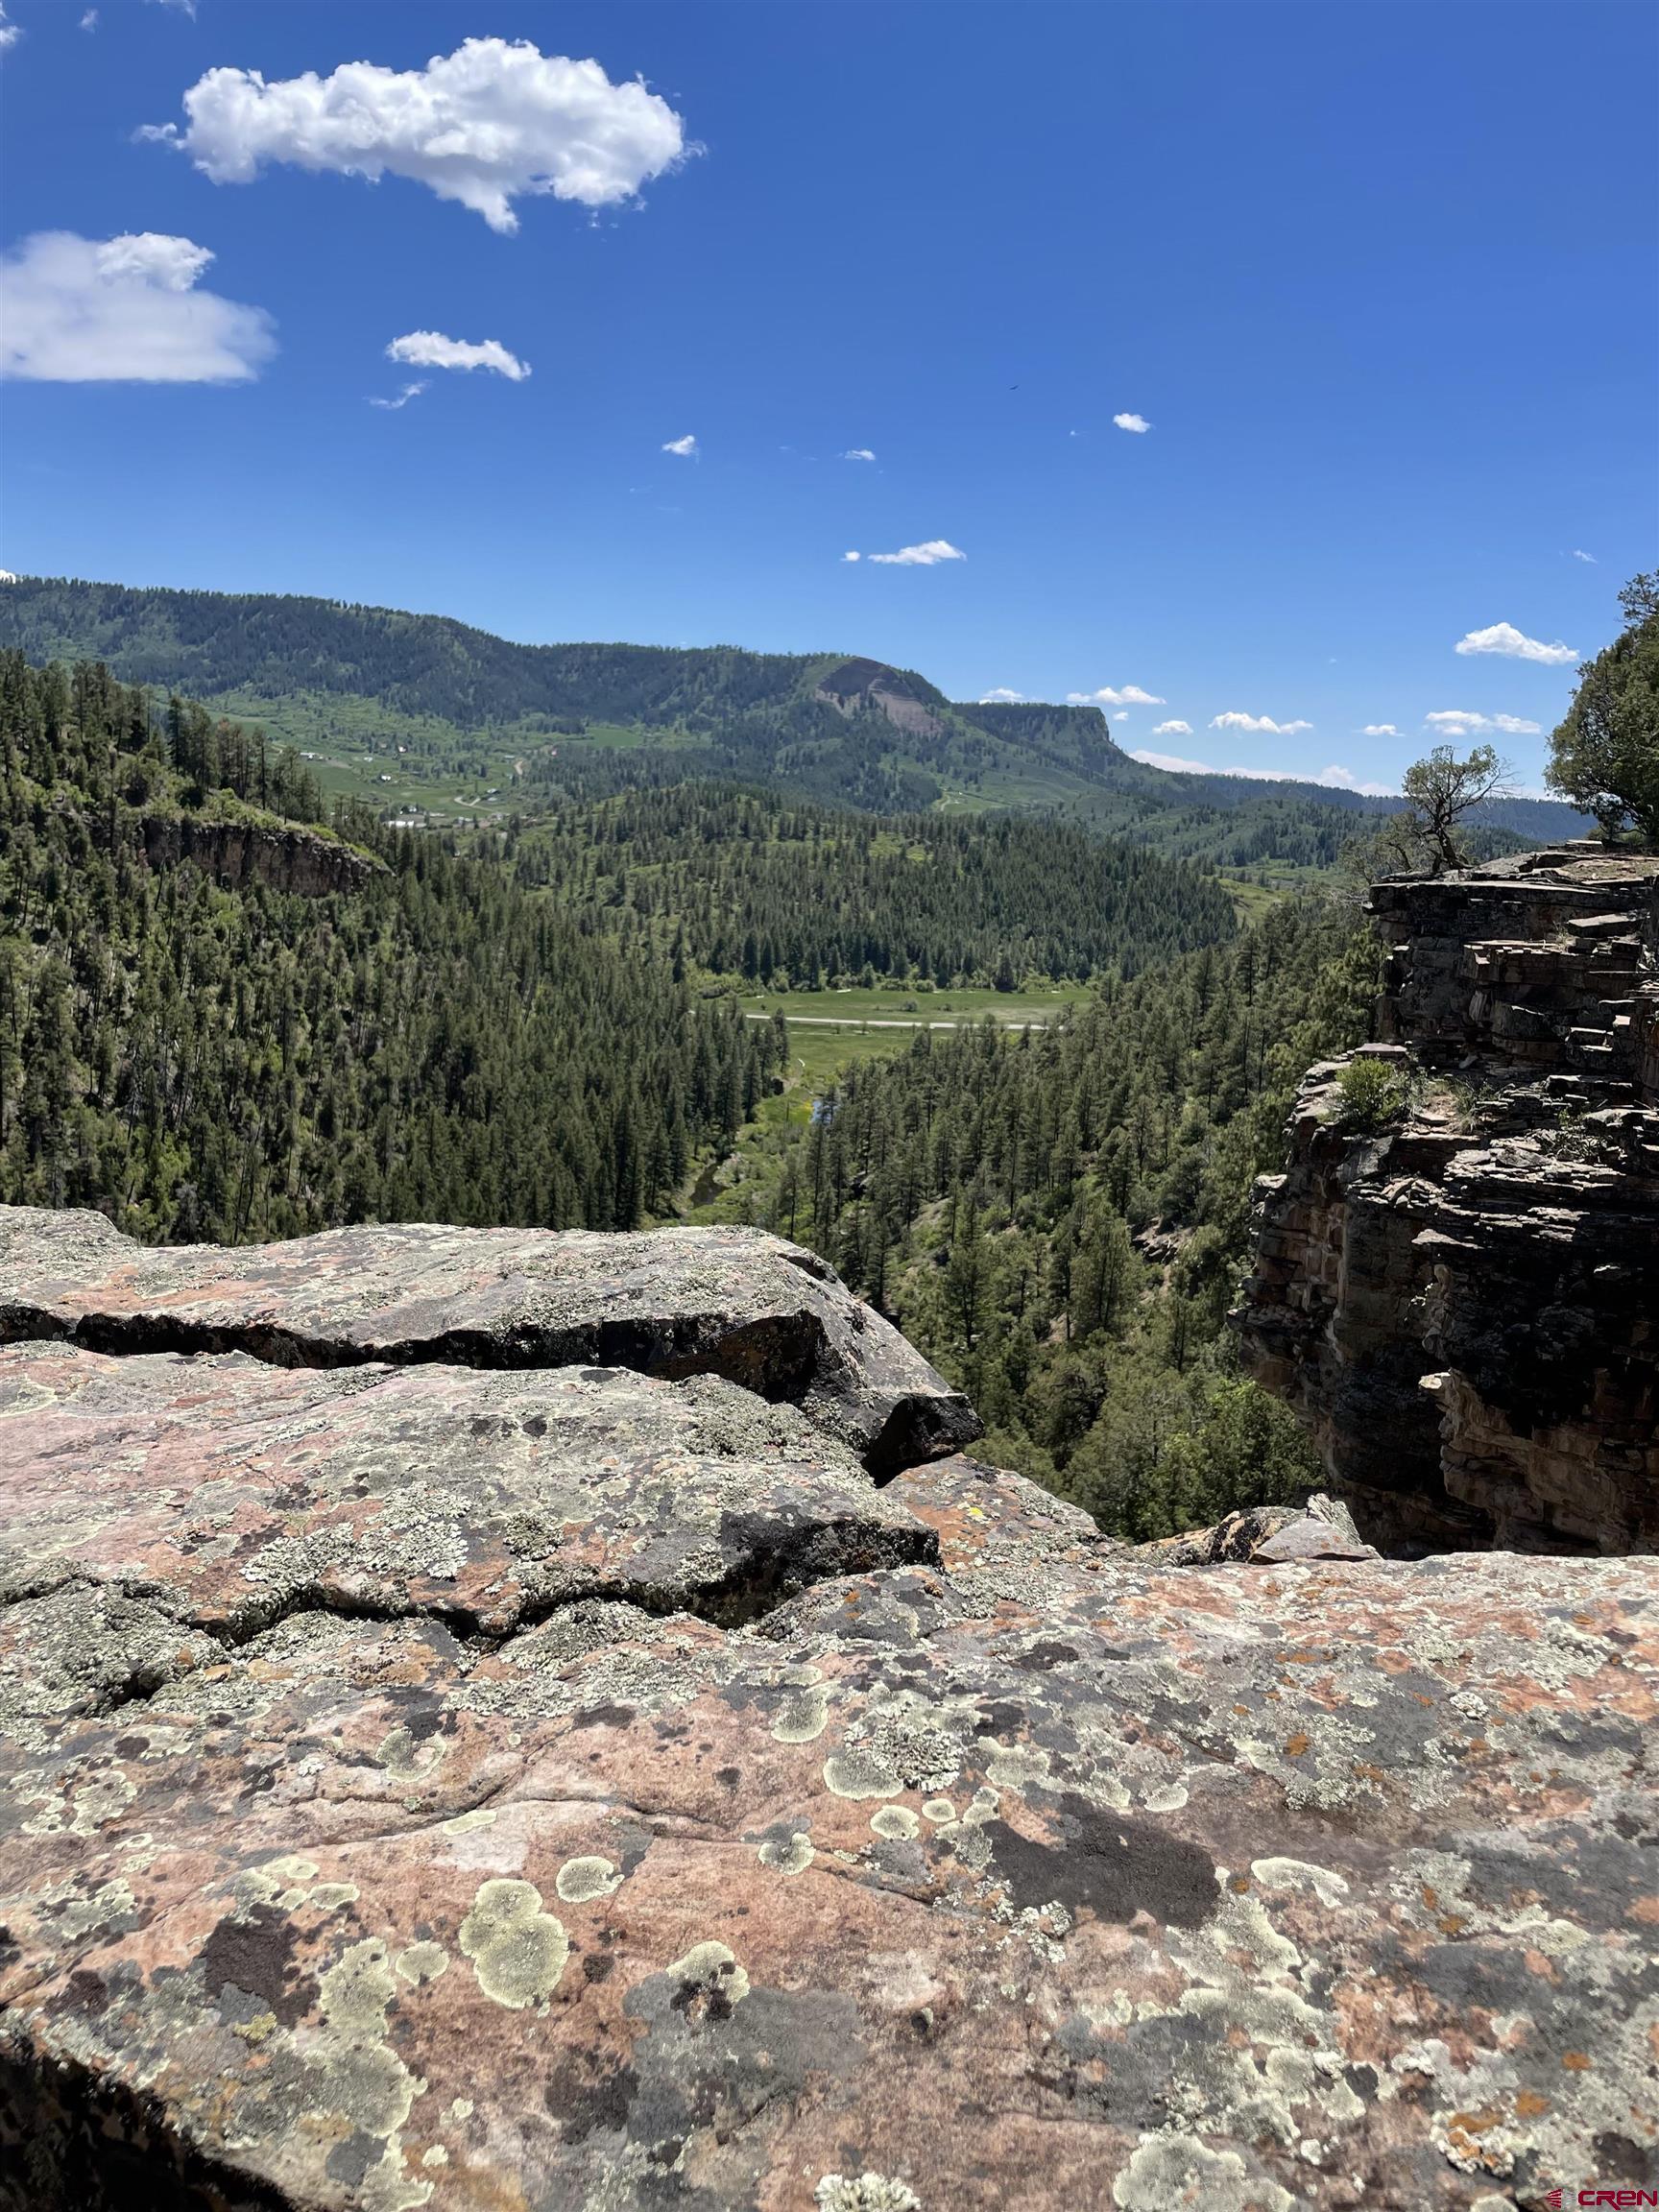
x,y
734,1302
509,1787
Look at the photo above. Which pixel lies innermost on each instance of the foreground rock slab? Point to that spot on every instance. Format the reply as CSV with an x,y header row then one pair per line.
x,y
230,1494
1044,1876
673,1301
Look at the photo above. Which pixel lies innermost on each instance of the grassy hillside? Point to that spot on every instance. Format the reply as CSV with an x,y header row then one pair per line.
x,y
418,714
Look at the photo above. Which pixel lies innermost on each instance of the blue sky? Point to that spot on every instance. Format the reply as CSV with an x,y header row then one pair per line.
x,y
1379,279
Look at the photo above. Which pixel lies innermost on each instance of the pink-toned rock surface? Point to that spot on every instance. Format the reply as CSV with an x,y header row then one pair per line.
x,y
373,1836
674,1301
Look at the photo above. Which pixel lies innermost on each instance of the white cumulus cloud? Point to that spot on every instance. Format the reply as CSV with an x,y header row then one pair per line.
x,y
1172,730
1379,729
1460,722
1259,725
90,310
1131,695
488,124
1136,423
859,453
686,448
1001,697
408,392
852,556
1579,553
926,555
431,349
1502,638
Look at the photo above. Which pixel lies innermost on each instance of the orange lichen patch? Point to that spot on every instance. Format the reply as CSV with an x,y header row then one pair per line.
x,y
1646,1908
1453,1923
1529,2104
1295,1745
1480,2123
1576,2061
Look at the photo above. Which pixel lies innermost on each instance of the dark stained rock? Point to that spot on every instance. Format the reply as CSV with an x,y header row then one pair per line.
x,y
1461,1305
673,1303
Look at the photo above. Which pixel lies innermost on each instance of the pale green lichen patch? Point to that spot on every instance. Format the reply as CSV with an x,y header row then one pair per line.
x,y
579,1881
865,2193
1169,2170
787,1854
711,1971
420,1963
801,1716
855,1772
895,1823
516,1949
939,1810
463,1824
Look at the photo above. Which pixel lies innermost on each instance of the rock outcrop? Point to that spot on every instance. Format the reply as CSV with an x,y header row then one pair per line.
x,y
431,1777
675,1301
1464,1303
288,859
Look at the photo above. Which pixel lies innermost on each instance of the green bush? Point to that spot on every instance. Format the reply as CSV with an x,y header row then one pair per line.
x,y
1373,1097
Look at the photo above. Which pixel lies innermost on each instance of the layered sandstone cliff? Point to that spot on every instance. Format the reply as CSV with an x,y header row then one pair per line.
x,y
491,1719
238,852
1464,1303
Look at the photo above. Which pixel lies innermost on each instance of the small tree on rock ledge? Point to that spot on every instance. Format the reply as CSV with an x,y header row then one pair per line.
x,y
1606,751
1439,792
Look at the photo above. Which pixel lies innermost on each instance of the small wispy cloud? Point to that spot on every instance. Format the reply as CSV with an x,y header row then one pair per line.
x,y
1333,778
859,453
1579,553
1001,697
1136,423
1460,722
1258,725
1131,695
408,392
89,21
852,556
10,34
431,349
686,448
1172,730
928,555
1512,644
1379,729
1172,763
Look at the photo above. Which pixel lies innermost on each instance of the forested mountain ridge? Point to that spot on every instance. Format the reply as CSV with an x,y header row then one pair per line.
x,y
431,1042
793,894
543,723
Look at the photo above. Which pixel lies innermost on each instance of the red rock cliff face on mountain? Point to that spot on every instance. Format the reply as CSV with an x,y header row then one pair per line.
x,y
509,1722
1465,1306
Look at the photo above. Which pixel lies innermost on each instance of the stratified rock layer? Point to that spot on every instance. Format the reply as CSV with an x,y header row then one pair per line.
x,y
676,1301
1465,1307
